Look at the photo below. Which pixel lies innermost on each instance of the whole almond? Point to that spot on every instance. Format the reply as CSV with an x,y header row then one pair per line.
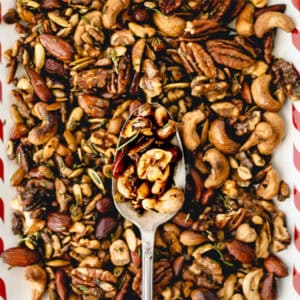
x,y
274,265
20,257
58,222
38,84
57,47
177,265
241,251
105,227
55,68
182,219
191,238
269,288
61,282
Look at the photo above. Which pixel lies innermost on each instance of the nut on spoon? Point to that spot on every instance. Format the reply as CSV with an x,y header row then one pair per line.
x,y
150,220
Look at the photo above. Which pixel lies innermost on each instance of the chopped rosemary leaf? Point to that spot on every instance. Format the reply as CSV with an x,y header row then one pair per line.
x,y
133,138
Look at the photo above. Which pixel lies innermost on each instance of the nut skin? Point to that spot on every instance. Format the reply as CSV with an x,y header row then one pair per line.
x,y
57,47
269,288
140,15
274,265
181,220
191,238
58,222
105,205
178,265
18,131
20,257
39,85
241,251
105,227
61,284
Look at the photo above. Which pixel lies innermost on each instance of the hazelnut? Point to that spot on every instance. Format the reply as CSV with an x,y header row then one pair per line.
x,y
140,15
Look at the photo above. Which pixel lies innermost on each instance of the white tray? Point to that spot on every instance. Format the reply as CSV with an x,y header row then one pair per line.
x,y
286,160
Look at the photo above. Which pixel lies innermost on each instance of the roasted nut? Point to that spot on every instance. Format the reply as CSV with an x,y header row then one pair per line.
x,y
105,227
261,94
36,275
245,233
220,139
58,222
269,288
244,22
190,135
119,253
241,251
171,26
251,284
270,19
57,47
20,257
269,188
191,238
219,168
274,265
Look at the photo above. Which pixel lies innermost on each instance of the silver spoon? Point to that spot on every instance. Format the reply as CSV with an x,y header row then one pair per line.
x,y
150,220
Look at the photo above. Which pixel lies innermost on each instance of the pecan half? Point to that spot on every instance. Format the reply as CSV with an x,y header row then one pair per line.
x,y
228,54
196,59
168,6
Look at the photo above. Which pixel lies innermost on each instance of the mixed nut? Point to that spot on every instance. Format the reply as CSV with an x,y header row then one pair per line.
x,y
88,65
146,160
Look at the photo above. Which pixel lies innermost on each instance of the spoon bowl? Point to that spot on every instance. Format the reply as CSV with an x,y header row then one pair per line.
x,y
150,220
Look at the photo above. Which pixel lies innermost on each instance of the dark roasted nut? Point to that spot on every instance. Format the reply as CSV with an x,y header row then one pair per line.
x,y
183,220
274,265
93,106
61,283
140,15
269,288
11,16
20,257
18,131
50,4
201,294
105,227
58,222
228,54
275,7
55,68
178,265
39,85
105,205
169,6
162,275
57,47
241,251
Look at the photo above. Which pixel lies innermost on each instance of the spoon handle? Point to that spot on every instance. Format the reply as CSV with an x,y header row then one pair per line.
x,y
147,264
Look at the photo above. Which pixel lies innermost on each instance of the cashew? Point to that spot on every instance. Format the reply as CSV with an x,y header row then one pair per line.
x,y
259,3
227,291
278,131
219,168
262,133
270,19
119,253
225,109
171,26
42,134
167,131
38,280
245,233
218,137
142,31
244,21
190,136
111,10
169,202
137,54
122,37
261,94
257,69
161,116
269,188
251,284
